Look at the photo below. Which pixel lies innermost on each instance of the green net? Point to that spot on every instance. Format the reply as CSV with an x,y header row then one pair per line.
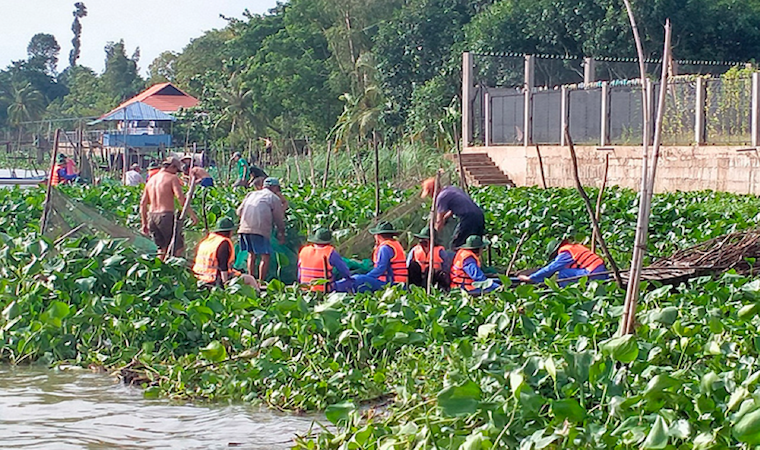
x,y
68,217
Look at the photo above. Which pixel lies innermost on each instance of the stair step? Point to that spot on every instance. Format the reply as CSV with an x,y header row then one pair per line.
x,y
480,170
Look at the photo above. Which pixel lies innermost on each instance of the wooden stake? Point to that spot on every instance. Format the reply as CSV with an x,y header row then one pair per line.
x,y
541,167
327,165
179,221
598,210
46,205
517,251
462,178
634,274
377,174
645,206
312,177
589,209
433,208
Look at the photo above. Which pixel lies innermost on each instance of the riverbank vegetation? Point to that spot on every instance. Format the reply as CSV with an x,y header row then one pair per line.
x,y
351,73
527,367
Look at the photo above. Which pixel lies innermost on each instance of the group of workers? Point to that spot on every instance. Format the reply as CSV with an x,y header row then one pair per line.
x,y
320,266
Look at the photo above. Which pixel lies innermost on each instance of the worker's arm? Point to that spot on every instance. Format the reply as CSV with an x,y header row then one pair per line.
x,y
384,256
65,175
337,262
278,214
562,260
223,256
177,188
440,219
144,202
474,271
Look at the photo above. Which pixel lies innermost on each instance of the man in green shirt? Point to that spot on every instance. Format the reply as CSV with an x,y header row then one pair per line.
x,y
244,171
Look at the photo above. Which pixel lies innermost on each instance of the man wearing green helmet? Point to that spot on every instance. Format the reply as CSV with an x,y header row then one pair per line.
x,y
215,256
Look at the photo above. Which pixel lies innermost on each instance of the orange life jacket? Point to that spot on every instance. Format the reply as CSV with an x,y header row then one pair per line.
x,y
459,278
420,255
583,258
314,264
152,172
398,262
56,179
206,265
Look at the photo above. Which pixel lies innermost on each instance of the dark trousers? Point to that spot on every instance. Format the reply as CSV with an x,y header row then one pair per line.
x,y
418,277
468,225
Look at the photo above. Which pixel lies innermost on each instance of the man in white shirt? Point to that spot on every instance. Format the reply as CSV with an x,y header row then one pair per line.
x,y
259,212
133,176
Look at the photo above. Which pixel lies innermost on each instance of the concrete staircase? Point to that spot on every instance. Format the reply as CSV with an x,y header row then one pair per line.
x,y
480,170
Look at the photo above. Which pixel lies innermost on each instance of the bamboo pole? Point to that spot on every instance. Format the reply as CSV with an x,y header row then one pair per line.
x,y
541,167
312,176
629,311
433,207
377,174
462,178
46,205
517,251
178,222
327,165
589,209
598,209
634,274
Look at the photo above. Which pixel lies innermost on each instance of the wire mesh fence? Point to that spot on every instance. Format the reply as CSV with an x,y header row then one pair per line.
x,y
609,109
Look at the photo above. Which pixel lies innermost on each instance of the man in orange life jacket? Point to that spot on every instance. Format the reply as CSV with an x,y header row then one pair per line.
x,y
59,174
215,256
389,260
153,169
418,261
466,271
569,260
316,262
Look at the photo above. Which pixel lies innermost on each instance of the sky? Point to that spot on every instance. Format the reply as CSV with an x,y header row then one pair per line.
x,y
152,25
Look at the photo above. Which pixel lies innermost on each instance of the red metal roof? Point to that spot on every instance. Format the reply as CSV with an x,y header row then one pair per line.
x,y
164,97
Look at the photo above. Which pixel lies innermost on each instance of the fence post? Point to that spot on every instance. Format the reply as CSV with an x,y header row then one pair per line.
x,y
487,124
755,109
466,99
528,104
564,107
605,128
699,111
589,70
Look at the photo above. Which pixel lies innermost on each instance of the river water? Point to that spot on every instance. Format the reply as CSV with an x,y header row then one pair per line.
x,y
54,409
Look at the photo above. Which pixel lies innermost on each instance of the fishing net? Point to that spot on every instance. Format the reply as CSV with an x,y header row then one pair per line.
x,y
68,217
409,216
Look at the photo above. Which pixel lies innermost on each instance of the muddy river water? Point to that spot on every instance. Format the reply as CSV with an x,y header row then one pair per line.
x,y
53,409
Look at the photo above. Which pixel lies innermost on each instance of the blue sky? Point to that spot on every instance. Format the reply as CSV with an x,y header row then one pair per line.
x,y
152,25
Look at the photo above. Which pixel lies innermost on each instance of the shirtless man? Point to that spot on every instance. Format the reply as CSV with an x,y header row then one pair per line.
x,y
160,192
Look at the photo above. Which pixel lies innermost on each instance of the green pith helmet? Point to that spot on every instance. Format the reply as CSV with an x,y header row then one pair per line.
x,y
424,235
474,242
384,227
552,249
321,236
224,224
61,158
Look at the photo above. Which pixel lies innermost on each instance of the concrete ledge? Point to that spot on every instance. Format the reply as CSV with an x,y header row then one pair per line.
x,y
690,168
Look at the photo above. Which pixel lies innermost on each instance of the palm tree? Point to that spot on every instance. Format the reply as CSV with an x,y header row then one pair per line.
x,y
26,104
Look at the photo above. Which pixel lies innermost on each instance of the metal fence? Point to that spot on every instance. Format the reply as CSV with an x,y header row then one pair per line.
x,y
699,109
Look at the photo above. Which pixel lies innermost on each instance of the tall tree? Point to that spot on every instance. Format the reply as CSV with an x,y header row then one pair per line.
x,y
43,52
120,78
163,68
80,11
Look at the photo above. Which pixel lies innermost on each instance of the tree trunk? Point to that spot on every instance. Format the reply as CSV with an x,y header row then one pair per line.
x,y
327,165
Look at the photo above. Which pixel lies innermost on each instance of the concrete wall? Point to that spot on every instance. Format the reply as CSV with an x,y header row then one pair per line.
x,y
679,168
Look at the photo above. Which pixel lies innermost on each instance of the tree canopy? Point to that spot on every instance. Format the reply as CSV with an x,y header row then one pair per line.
x,y
310,67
